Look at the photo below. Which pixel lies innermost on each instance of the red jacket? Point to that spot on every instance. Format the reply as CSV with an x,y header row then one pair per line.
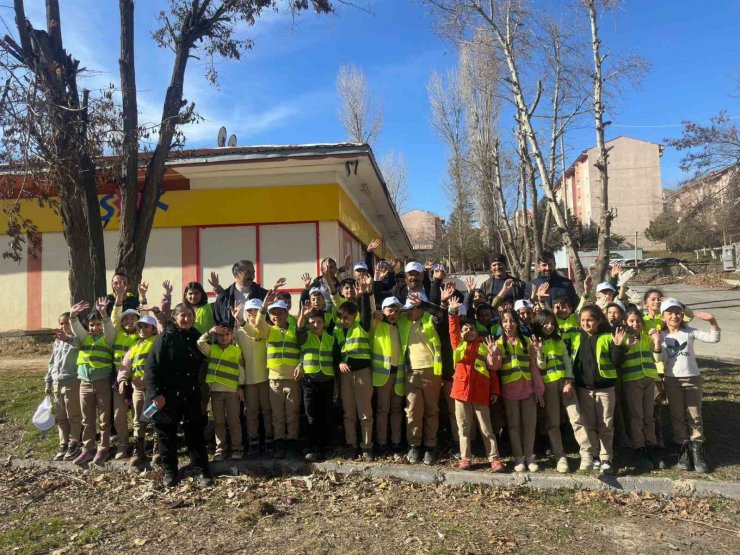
x,y
468,384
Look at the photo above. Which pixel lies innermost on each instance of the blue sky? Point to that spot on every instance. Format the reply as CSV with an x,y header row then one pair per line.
x,y
283,91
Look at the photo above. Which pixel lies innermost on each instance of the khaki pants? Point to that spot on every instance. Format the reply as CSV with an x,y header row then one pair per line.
x,y
257,399
357,402
684,402
521,418
447,390
554,400
597,414
422,407
120,419
95,399
137,401
387,402
68,412
225,407
285,402
464,413
639,399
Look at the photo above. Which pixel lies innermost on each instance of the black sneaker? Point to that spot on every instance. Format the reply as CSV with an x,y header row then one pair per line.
x,y
414,455
656,458
697,453
430,456
170,478
72,451
291,450
367,455
643,461
61,452
684,458
205,479
279,450
381,451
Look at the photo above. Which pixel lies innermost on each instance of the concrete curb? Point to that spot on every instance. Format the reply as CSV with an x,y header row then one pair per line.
x,y
423,475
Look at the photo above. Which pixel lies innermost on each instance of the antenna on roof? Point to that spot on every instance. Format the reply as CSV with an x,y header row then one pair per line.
x,y
232,140
221,140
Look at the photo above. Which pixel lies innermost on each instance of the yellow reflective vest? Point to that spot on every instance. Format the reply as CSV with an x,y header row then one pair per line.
x,y
317,354
122,344
203,318
553,350
515,364
480,359
95,353
223,365
354,342
381,358
138,355
282,347
427,326
607,369
638,362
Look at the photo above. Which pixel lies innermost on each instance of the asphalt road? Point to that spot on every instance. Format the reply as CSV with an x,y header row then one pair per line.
x,y
724,305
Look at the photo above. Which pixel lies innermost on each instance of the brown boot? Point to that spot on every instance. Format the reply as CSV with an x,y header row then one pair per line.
x,y
139,455
156,457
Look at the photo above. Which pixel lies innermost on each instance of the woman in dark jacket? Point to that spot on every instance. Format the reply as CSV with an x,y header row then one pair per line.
x,y
172,381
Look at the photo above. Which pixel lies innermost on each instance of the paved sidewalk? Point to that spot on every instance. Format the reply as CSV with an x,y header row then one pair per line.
x,y
436,475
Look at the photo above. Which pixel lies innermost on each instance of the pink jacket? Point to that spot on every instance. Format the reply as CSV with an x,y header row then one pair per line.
x,y
522,388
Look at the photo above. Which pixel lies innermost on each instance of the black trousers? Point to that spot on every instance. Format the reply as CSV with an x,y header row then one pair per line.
x,y
318,398
186,410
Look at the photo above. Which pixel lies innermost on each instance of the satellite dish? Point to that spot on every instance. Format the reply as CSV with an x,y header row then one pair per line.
x,y
232,140
221,141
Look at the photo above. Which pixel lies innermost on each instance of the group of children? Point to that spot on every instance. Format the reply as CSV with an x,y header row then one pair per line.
x,y
520,366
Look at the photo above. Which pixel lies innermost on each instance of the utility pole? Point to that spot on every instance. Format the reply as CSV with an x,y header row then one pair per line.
x,y
635,250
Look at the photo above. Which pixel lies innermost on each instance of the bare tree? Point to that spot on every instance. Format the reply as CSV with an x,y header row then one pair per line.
x,y
393,168
62,131
360,114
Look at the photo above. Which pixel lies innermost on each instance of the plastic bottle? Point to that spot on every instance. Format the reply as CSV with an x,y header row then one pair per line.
x,y
150,411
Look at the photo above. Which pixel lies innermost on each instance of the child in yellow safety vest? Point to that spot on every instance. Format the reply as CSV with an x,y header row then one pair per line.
x,y
638,377
518,361
283,355
418,331
320,356
225,376
355,378
595,357
256,384
560,391
196,298
388,369
652,320
126,335
131,374
95,371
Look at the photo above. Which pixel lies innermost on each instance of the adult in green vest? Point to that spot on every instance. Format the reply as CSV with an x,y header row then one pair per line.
x,y
131,374
418,331
320,357
388,366
596,356
638,391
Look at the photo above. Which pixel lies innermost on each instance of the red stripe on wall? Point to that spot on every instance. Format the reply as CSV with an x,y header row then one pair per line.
x,y
33,288
318,249
190,262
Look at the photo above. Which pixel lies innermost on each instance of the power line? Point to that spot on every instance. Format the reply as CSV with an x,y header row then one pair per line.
x,y
666,124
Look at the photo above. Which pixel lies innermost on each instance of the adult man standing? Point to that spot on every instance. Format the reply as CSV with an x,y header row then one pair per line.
x,y
243,289
499,274
558,286
417,281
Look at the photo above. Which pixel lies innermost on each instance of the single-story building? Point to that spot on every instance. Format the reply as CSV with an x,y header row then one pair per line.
x,y
283,207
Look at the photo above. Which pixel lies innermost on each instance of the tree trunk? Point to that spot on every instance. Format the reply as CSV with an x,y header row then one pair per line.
x,y
602,260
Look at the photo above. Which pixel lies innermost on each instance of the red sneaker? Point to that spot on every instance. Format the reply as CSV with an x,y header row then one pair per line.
x,y
497,466
464,464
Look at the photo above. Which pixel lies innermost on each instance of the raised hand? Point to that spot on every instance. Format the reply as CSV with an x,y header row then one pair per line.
x,y
396,262
492,345
269,298
348,263
143,288
619,335
536,343
470,284
428,264
378,315
306,279
438,274
542,291
60,335
615,270
280,283
448,291
214,281
508,286
454,303
167,286
381,271
374,244
706,316
588,284
237,310
414,299
79,307
101,304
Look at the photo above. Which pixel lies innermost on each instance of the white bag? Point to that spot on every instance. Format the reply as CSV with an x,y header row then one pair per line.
x,y
43,419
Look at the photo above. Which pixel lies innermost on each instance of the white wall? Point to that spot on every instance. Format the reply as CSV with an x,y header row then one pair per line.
x,y
220,247
13,284
287,250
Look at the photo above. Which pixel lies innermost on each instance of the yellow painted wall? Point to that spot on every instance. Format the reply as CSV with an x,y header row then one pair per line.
x,y
13,287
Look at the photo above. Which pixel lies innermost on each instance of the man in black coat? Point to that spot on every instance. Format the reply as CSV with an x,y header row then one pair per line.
x,y
172,379
243,289
559,286
499,274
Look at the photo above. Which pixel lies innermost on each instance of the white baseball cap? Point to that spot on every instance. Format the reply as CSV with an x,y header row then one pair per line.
x,y
604,286
314,291
668,304
522,303
391,301
151,320
277,304
252,304
129,312
414,267
360,266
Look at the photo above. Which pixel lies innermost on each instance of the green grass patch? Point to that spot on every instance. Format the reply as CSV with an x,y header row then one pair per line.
x,y
20,394
39,536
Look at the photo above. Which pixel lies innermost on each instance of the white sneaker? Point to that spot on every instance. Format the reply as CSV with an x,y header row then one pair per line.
x,y
596,464
519,465
562,465
587,464
606,467
533,466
